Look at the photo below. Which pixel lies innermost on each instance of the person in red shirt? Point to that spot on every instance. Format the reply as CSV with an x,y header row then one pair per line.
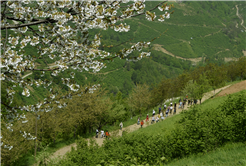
x,y
142,122
107,135
147,118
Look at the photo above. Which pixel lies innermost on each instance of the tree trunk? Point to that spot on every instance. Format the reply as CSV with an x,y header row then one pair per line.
x,y
90,129
75,131
84,130
54,137
200,101
36,137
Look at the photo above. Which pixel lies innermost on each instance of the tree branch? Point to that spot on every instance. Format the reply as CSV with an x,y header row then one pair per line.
x,y
2,1
144,12
27,24
4,47
6,105
3,13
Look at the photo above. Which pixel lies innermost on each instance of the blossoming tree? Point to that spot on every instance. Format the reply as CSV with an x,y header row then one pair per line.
x,y
51,28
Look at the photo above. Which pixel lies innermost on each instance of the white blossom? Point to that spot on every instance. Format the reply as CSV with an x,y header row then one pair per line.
x,y
26,92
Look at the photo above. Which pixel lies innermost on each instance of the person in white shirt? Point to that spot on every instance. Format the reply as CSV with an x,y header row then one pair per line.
x,y
102,133
121,125
96,133
153,119
157,119
165,106
162,117
171,108
153,112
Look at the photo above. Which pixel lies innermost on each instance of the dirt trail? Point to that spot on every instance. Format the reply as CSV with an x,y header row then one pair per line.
x,y
233,89
159,47
239,16
130,128
213,33
27,75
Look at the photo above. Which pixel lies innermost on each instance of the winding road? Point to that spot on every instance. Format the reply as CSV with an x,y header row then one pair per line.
x,y
239,16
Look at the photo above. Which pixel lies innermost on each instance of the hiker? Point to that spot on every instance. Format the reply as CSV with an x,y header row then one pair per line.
x,y
171,108
97,133
183,105
107,135
153,112
188,102
180,104
171,104
142,123
175,107
165,106
195,101
147,118
166,113
191,102
179,100
162,117
159,109
168,108
153,119
102,133
157,119
138,120
121,125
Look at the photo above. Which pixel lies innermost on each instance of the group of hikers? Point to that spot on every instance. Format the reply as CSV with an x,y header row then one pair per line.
x,y
171,109
167,110
107,135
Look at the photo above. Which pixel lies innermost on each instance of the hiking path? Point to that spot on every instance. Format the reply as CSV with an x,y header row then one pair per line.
x,y
61,152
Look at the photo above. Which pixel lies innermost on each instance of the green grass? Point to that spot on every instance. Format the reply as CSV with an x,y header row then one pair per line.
x,y
161,127
29,159
228,155
232,83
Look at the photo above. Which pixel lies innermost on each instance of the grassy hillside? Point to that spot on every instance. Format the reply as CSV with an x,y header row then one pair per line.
x,y
196,29
230,154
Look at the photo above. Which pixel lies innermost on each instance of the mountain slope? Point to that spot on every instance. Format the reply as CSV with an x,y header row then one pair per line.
x,y
197,33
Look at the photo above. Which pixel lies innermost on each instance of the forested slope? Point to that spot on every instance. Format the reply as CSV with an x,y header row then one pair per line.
x,y
205,31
